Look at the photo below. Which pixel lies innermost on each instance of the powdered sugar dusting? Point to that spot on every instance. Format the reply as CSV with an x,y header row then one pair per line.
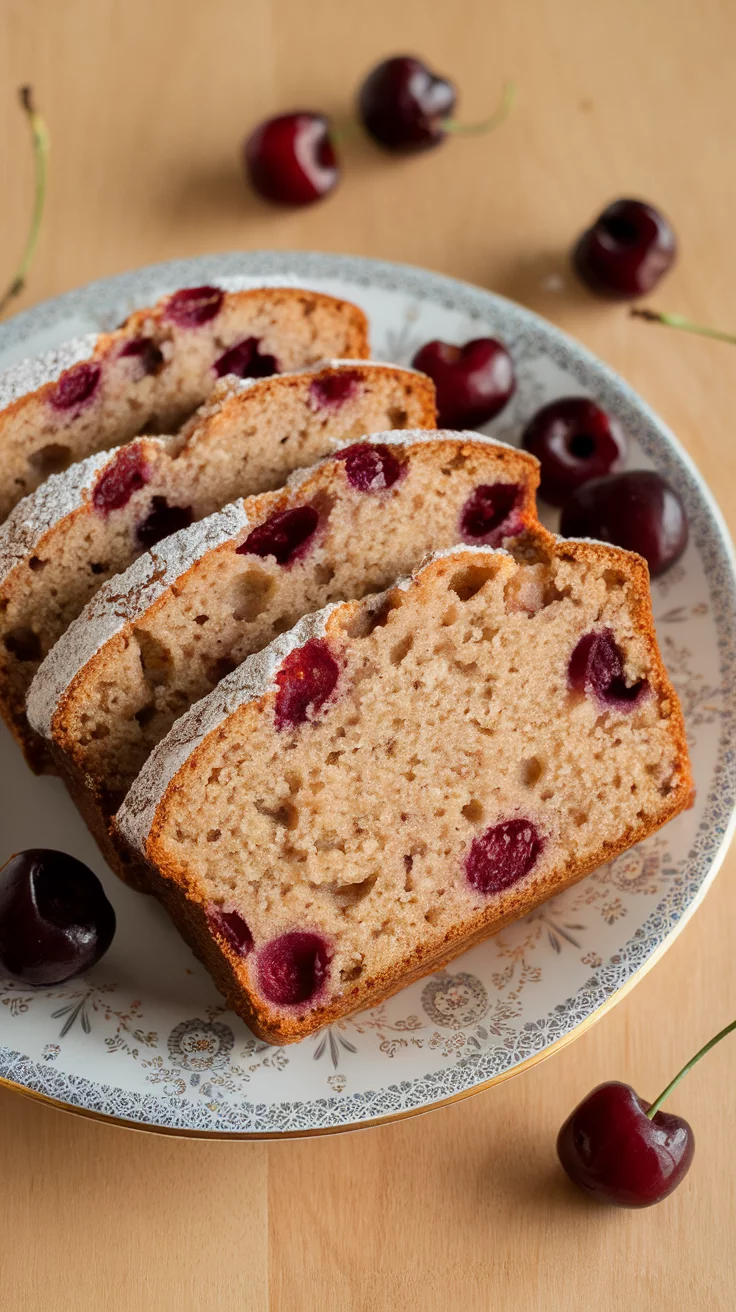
x,y
28,375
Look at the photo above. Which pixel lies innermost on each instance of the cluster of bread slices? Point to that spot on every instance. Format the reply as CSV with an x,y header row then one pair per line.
x,y
312,670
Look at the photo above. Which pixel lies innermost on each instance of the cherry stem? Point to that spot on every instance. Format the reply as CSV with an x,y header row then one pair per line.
x,y
679,321
499,116
681,1074
40,135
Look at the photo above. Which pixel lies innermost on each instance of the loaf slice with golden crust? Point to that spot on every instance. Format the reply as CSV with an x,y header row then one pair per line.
x,y
153,371
61,543
400,777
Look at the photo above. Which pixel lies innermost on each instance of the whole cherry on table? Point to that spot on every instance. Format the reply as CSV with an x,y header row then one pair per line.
x,y
626,251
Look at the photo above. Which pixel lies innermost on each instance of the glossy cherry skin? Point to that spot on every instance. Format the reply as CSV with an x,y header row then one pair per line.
x,y
574,441
474,382
626,251
404,106
638,510
290,159
55,920
610,1148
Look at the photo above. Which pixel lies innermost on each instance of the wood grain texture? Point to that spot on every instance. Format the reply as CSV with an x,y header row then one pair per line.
x,y
147,100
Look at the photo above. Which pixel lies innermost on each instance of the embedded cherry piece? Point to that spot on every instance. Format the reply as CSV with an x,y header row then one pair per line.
x,y
626,251
489,513
293,969
612,1150
369,468
194,306
285,535
306,679
145,350
596,667
76,387
638,510
116,484
574,441
474,382
290,159
231,926
502,856
404,106
332,391
244,360
55,920
162,521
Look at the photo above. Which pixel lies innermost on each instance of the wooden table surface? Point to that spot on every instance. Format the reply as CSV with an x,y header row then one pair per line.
x,y
147,100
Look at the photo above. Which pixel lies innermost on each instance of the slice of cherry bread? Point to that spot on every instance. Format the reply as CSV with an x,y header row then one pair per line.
x,y
160,636
152,372
83,526
398,778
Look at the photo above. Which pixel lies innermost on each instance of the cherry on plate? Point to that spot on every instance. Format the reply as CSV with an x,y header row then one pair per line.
x,y
574,441
55,920
638,510
404,106
626,251
474,382
290,159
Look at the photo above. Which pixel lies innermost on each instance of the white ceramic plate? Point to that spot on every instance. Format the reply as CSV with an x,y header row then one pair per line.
x,y
145,1038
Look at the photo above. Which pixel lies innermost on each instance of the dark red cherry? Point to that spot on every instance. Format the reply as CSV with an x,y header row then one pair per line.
x,y
293,969
502,856
404,106
162,521
194,306
490,514
291,160
333,390
612,1150
574,441
116,484
638,510
626,251
369,467
75,387
285,535
596,667
244,360
231,926
145,350
474,382
55,920
306,679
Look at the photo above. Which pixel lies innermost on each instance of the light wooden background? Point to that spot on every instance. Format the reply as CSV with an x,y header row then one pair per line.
x,y
462,1209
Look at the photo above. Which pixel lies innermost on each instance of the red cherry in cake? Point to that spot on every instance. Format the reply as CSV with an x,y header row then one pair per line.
x,y
596,667
194,306
55,920
244,360
291,160
76,387
369,467
574,441
145,350
332,391
230,926
617,1154
502,855
116,484
162,521
306,680
293,969
489,514
626,251
637,509
404,106
285,535
474,382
